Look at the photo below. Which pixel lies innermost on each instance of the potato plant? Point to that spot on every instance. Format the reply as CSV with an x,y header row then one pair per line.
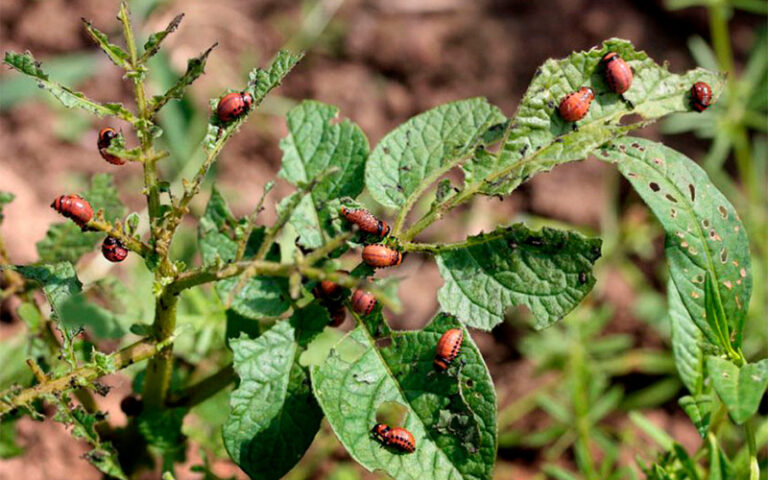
x,y
292,369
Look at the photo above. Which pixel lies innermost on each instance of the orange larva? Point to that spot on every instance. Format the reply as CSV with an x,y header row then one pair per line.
x,y
401,439
448,348
366,221
363,302
233,105
105,139
576,105
381,256
380,431
328,290
618,74
114,250
75,208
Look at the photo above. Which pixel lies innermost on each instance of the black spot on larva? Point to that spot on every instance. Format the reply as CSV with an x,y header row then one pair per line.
x,y
692,189
654,186
724,255
671,198
582,278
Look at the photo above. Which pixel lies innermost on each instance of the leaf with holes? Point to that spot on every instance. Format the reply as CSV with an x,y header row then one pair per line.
x,y
315,144
740,388
689,358
103,195
152,45
26,64
538,139
549,272
452,415
65,242
195,68
274,416
260,83
415,154
115,53
704,234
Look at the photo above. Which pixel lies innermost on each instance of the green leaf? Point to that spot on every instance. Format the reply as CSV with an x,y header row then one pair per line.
x,y
262,296
699,410
162,430
83,424
549,272
315,144
538,139
26,64
9,447
704,234
103,195
78,312
740,388
452,415
65,242
274,416
5,199
152,46
686,337
115,53
260,83
719,465
59,282
195,68
414,155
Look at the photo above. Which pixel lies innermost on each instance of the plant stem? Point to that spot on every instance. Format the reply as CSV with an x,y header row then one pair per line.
x,y
131,243
204,389
754,467
158,376
137,352
251,222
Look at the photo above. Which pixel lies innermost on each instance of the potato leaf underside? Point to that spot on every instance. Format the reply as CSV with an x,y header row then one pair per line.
x,y
315,144
452,415
418,152
274,416
66,242
549,272
740,388
26,64
261,297
704,235
538,139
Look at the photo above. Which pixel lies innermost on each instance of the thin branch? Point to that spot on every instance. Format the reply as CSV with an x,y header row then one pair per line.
x,y
204,389
131,243
137,352
251,222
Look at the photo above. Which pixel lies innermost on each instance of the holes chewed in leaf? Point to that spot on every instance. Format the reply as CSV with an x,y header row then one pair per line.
x,y
723,255
692,189
654,186
723,212
670,198
673,213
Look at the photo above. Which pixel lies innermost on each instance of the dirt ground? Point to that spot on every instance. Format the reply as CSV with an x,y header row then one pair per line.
x,y
380,61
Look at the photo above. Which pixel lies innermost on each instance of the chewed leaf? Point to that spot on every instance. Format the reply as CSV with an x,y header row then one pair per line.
x,y
65,242
152,46
419,151
260,83
26,64
115,53
539,139
103,196
549,272
274,416
315,143
195,68
704,233
452,415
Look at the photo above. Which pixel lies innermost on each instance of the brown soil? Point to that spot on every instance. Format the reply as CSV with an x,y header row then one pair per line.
x,y
380,61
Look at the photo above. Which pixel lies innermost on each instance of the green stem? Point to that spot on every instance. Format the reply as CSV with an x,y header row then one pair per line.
x,y
128,356
205,389
754,466
158,376
251,223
